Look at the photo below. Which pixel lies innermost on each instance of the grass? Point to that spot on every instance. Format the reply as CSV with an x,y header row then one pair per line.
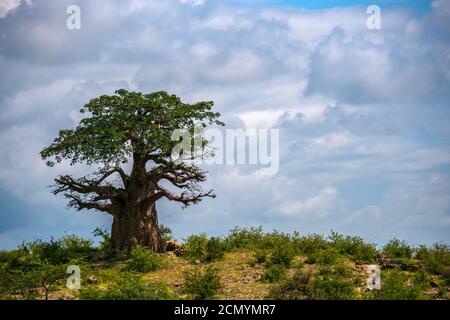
x,y
246,264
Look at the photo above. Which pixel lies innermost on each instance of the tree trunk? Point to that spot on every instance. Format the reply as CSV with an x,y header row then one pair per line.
x,y
136,226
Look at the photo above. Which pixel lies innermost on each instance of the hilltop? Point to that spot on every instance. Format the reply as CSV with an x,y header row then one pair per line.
x,y
245,264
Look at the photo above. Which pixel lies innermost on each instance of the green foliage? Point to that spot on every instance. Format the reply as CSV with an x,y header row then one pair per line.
x,y
27,282
215,249
260,256
328,284
446,275
239,238
127,287
276,239
113,121
202,284
295,288
331,284
105,243
282,254
166,233
59,251
199,247
144,260
395,285
274,273
195,247
398,249
323,256
354,247
436,258
310,244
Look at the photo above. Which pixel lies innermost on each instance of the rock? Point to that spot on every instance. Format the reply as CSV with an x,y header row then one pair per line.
x,y
173,245
386,263
92,279
179,252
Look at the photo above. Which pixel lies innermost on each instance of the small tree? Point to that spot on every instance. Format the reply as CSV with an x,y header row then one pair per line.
x,y
135,127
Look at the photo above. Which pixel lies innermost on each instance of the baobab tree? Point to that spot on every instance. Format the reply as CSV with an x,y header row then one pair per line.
x,y
127,137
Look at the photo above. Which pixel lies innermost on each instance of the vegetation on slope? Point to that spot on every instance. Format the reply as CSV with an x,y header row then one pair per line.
x,y
245,264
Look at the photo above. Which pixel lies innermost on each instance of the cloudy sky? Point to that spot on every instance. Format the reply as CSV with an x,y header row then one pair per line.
x,y
363,114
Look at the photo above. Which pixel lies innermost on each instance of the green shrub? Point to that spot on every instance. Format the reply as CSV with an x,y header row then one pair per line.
x,y
276,239
274,273
127,287
202,284
214,249
199,247
294,288
323,256
4,256
354,247
76,246
309,244
398,249
395,285
331,285
250,238
327,284
282,254
260,256
436,258
49,251
196,247
22,260
59,251
144,260
166,233
27,283
446,275
105,243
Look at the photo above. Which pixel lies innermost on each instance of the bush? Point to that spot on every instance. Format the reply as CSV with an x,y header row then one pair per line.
x,y
4,256
199,247
166,233
446,275
275,239
215,249
245,238
127,287
436,258
327,284
398,249
395,286
105,244
76,246
309,244
294,288
274,273
202,284
331,285
260,256
59,251
144,260
323,256
282,254
354,247
195,247
26,282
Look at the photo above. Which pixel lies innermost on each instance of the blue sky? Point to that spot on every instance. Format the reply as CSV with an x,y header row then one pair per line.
x,y
421,5
363,114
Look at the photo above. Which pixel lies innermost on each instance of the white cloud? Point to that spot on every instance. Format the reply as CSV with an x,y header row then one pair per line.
x,y
352,105
315,207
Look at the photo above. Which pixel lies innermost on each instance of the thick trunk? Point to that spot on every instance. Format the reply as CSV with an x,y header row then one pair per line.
x,y
133,226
